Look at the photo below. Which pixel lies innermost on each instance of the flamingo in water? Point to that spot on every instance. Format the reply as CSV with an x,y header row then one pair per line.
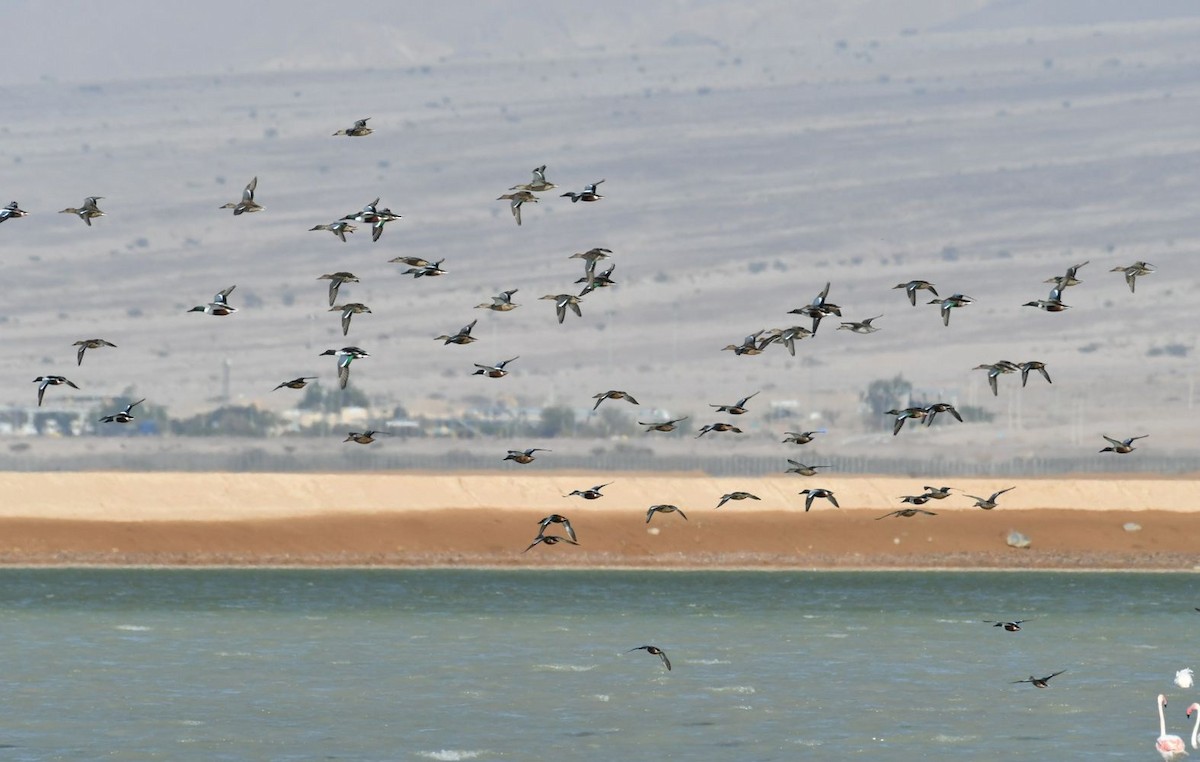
x,y
1170,747
1196,729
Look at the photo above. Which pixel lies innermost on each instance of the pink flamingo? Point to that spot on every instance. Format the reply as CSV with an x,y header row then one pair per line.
x,y
1170,747
1195,730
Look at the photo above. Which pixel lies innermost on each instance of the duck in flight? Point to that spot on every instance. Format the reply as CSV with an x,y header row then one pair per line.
x,y
664,508
348,311
913,286
654,651
359,130
589,193
339,229
375,217
862,326
87,212
1013,626
591,493
557,518
907,513
538,183
737,408
515,200
13,212
219,306
949,303
548,539
524,456
125,416
462,337
1040,367
1123,446
1040,682
799,468
800,437
86,344
44,381
345,356
988,503
738,495
493,371
718,427
247,204
664,426
819,492
296,383
562,302
500,303
1132,272
335,282
365,437
613,394
940,407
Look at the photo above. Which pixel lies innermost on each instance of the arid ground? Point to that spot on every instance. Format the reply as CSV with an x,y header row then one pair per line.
x,y
488,519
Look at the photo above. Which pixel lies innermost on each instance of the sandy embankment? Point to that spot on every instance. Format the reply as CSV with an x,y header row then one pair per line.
x,y
489,518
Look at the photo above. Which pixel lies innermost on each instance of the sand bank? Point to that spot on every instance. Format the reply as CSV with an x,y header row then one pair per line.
x,y
489,518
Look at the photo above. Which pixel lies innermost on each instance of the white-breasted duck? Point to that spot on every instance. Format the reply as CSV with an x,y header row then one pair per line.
x,y
589,193
219,306
493,371
125,416
591,493
12,212
345,356
44,381
359,130
1009,626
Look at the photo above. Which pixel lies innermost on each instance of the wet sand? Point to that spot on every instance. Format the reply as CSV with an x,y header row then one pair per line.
x,y
488,519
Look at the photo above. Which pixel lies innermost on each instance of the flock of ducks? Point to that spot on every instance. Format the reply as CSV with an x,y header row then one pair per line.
x,y
570,301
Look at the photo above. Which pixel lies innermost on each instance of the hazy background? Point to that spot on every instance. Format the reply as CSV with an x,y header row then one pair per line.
x,y
753,151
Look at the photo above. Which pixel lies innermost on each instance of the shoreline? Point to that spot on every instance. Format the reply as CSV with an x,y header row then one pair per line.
x,y
435,521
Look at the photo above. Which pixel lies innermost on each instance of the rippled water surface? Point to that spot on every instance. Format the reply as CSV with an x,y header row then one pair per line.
x,y
533,665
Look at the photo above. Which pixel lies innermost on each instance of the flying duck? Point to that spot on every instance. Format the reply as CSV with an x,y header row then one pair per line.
x,y
524,456
813,494
125,416
44,381
654,651
247,204
335,282
219,306
492,371
589,193
664,508
86,344
360,129
345,356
